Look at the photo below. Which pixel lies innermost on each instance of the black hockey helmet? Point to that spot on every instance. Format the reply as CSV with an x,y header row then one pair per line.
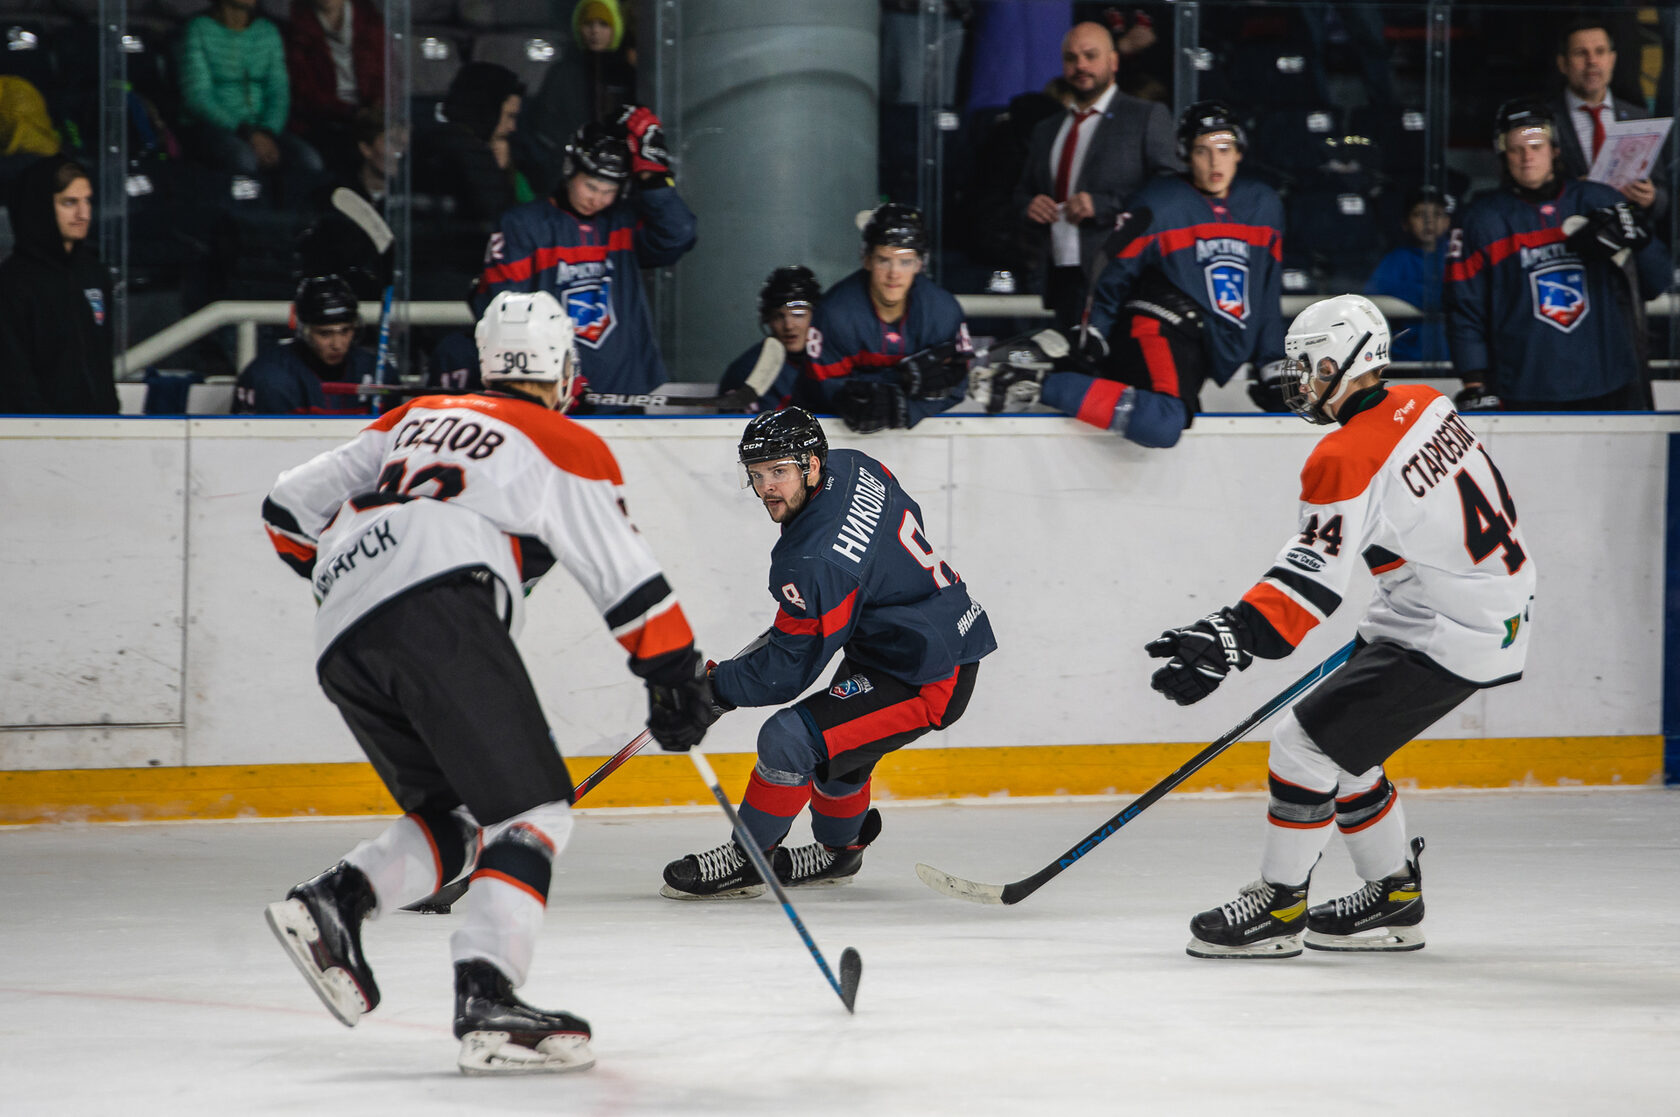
x,y
792,285
323,300
1204,117
791,432
1521,112
601,150
897,226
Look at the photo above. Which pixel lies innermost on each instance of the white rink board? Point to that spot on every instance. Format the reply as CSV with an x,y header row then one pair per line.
x,y
1080,545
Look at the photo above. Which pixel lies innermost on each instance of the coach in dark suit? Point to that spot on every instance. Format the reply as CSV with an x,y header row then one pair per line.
x,y
1587,60
1084,163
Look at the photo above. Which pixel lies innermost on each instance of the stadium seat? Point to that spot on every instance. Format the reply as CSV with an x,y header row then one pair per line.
x,y
494,15
526,54
1290,141
433,58
1399,133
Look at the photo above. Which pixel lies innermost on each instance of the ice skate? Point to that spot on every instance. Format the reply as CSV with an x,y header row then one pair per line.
x,y
723,873
1264,921
320,925
500,1034
821,864
1386,914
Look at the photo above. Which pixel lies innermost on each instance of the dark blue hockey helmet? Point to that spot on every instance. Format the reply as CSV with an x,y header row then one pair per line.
x,y
1205,117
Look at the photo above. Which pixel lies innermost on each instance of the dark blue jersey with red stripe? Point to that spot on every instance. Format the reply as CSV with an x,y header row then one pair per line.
x,y
848,339
855,570
1226,253
1541,322
594,267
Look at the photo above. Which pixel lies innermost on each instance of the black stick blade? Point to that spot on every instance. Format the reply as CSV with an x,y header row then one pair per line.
x,y
851,972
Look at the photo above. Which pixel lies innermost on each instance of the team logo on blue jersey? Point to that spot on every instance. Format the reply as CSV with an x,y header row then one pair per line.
x,y
591,310
857,684
1227,283
1559,294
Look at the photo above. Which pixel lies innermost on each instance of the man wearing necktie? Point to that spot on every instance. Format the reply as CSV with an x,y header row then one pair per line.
x,y
1586,58
1084,163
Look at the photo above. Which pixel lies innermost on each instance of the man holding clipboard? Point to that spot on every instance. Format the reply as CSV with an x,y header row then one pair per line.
x,y
1593,140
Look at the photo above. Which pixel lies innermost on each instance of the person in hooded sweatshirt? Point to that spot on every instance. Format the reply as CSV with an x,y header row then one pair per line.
x,y
55,338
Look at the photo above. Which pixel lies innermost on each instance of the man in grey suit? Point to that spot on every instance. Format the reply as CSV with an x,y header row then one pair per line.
x,y
1083,164
1586,58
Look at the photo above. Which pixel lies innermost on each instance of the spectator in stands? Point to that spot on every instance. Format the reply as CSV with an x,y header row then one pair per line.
x,y
889,347
786,304
615,212
26,127
335,58
335,243
55,342
593,83
468,159
288,378
235,96
1544,311
1414,272
1083,164
1586,57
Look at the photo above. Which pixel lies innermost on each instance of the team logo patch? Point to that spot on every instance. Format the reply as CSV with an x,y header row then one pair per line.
x,y
791,592
1560,295
1305,559
1512,624
96,301
1227,285
857,684
591,310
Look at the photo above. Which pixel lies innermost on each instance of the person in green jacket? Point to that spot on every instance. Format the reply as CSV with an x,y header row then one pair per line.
x,y
235,95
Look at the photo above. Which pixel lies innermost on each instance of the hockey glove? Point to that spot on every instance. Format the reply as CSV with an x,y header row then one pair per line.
x,y
679,713
931,375
647,141
1199,656
1266,384
867,406
1476,396
1009,387
1605,232
1087,349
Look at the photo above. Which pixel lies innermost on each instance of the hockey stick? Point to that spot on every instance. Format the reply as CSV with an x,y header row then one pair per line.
x,y
1127,228
361,213
1014,893
851,963
771,357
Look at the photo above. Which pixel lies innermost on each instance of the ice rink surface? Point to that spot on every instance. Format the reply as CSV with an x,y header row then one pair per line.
x,y
140,977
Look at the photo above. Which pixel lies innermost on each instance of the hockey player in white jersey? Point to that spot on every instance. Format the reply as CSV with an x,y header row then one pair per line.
x,y
421,535
1404,486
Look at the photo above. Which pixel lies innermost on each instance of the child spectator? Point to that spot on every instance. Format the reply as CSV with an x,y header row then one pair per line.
x,y
1414,273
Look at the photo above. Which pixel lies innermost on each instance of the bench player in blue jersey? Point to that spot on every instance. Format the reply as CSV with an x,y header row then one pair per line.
x,y
853,573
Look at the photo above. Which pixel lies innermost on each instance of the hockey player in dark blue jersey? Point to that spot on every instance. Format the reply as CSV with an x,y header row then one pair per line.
x,y
786,304
1191,295
889,347
290,378
1546,284
854,573
587,246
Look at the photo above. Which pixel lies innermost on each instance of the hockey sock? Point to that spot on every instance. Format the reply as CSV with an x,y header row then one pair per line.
x,y
1297,828
771,804
414,857
504,906
837,811
1374,827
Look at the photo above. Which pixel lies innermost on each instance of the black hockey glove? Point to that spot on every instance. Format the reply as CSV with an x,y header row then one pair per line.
x,y
1009,387
932,373
1199,656
1087,350
868,406
1475,396
680,712
1266,384
1604,232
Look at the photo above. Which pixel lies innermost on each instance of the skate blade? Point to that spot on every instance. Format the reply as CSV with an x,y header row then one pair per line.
x,y
827,882
1378,940
491,1053
295,928
1284,946
746,893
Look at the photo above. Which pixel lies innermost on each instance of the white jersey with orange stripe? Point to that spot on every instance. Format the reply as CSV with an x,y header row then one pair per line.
x,y
493,481
1406,487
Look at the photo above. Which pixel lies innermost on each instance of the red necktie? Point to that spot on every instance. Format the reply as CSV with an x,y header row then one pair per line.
x,y
1064,165
1598,126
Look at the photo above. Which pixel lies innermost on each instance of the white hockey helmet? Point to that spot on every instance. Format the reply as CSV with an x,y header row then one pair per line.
x,y
527,336
1329,345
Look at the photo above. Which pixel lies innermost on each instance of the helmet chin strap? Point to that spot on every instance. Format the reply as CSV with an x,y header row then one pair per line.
x,y
1341,374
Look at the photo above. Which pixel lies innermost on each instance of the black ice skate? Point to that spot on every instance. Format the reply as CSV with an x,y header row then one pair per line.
x,y
1264,921
320,925
1386,914
723,873
821,864
501,1034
